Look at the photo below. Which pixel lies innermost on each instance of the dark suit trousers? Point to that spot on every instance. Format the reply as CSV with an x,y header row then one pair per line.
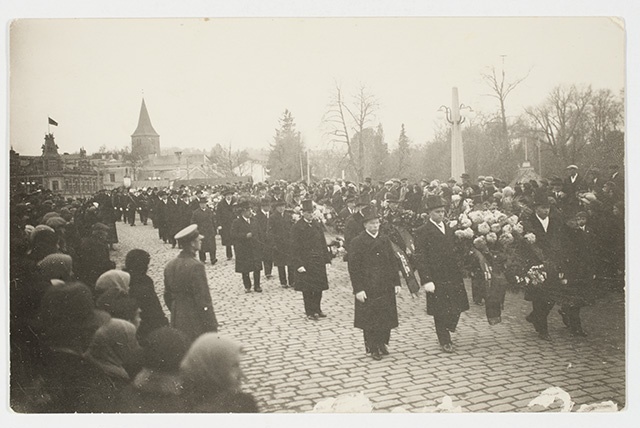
x,y
268,266
282,273
203,255
374,340
541,309
246,279
312,302
444,324
229,251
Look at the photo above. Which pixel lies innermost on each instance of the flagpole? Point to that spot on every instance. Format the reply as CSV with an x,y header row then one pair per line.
x,y
48,126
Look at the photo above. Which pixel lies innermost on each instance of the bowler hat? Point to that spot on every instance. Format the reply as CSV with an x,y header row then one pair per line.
x,y
369,213
541,199
244,205
434,201
227,191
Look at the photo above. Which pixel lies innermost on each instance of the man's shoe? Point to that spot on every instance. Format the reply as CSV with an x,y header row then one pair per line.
x,y
384,350
376,355
321,315
258,290
229,258
545,337
313,317
269,276
214,261
284,285
247,290
448,348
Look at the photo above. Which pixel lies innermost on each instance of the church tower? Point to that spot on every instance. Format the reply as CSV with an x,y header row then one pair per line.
x,y
145,140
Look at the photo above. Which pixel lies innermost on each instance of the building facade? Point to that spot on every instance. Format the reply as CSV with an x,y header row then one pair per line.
x,y
72,176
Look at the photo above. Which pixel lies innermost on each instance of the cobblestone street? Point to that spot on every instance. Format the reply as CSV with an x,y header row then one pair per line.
x,y
292,363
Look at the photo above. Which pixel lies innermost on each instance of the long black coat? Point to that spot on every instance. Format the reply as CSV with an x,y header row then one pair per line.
x,y
93,260
205,219
151,314
438,262
373,269
309,249
265,238
353,228
225,216
247,250
549,249
173,217
280,230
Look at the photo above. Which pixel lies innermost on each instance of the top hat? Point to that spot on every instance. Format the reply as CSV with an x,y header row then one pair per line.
x,y
369,213
434,201
307,205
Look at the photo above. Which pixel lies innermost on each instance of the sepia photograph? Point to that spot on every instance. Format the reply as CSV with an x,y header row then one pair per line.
x,y
294,215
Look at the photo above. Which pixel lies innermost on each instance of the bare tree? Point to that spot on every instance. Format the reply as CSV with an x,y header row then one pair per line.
x,y
563,121
500,90
345,120
228,160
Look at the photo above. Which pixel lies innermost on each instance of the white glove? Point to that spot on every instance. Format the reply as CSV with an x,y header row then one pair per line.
x,y
301,269
430,287
397,289
361,296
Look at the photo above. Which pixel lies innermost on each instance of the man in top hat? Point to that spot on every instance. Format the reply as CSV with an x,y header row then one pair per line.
x,y
186,291
245,235
225,216
573,184
173,211
547,250
204,218
279,229
438,266
309,255
265,239
354,226
373,270
349,209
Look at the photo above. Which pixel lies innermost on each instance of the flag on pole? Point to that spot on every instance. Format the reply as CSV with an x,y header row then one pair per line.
x,y
53,122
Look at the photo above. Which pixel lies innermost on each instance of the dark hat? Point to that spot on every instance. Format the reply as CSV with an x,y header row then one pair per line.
x,y
362,202
187,234
66,307
265,202
556,181
434,201
488,180
367,180
369,213
162,193
203,200
164,349
174,192
351,199
307,205
451,180
279,203
227,191
582,214
56,222
244,205
465,175
541,199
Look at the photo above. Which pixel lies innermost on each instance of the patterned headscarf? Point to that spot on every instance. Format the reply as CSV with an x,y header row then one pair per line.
x,y
114,345
56,266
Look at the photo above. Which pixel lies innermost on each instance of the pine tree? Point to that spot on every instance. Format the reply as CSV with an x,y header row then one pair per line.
x,y
286,153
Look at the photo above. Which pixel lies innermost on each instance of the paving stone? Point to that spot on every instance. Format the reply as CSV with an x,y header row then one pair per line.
x,y
495,368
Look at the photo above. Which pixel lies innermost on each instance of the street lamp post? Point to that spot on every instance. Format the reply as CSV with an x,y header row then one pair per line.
x,y
456,116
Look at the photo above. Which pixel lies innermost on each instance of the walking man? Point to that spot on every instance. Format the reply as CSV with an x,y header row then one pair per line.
x,y
263,219
186,292
310,254
204,218
225,216
244,233
373,270
439,270
280,229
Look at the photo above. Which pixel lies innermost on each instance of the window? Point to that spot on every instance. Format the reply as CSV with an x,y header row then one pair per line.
x,y
112,178
55,185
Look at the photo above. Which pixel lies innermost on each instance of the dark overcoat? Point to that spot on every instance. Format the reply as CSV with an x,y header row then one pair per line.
x,y
373,269
173,217
437,261
247,250
280,230
151,314
205,219
225,216
309,250
353,228
549,250
186,294
93,260
265,238
581,266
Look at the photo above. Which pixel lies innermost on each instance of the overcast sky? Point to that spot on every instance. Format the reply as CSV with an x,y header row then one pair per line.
x,y
229,80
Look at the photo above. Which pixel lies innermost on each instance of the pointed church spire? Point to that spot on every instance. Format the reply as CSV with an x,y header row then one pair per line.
x,y
144,123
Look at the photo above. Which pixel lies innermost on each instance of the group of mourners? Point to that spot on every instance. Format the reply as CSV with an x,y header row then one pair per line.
x,y
86,337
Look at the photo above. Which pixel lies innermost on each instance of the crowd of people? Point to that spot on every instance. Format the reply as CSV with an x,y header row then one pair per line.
x,y
87,337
